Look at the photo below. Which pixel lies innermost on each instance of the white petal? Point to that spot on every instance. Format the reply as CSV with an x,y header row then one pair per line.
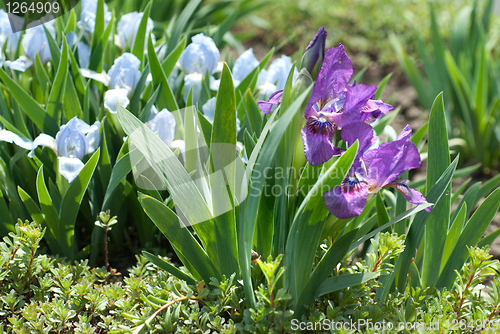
x,y
101,77
114,96
11,137
83,54
192,81
163,125
45,140
42,140
209,109
390,133
215,84
70,167
93,137
20,64
245,64
179,144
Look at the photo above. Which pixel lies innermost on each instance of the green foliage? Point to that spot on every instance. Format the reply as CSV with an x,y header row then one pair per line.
x,y
48,94
465,67
39,293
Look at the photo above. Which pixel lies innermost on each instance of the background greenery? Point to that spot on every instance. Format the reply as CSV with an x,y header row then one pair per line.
x,y
363,26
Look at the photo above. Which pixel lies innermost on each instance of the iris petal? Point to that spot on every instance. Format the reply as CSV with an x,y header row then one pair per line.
x,y
333,77
347,200
70,167
317,140
275,98
411,195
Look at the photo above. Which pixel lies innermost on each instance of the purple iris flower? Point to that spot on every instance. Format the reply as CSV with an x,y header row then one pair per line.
x,y
274,99
333,104
312,60
374,109
373,170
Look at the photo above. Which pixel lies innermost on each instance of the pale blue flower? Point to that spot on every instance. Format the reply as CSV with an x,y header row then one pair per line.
x,y
35,41
88,15
83,48
125,72
20,64
274,78
128,26
245,64
172,79
209,109
192,81
83,54
74,140
163,124
209,112
199,56
114,96
72,143
6,34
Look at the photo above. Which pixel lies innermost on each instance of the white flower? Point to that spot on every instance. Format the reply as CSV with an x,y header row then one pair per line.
x,y
199,56
88,15
114,96
125,72
128,26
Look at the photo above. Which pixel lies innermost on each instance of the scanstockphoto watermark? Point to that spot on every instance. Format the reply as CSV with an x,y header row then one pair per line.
x,y
362,325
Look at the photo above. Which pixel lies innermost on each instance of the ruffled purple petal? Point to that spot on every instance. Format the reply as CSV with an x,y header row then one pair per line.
x,y
356,98
346,203
274,99
374,109
391,159
318,147
411,195
359,131
405,134
333,77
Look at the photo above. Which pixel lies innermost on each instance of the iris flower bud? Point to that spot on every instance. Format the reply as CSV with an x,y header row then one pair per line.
x,y
314,54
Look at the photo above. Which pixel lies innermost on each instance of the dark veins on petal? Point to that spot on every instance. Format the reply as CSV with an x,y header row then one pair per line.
x,y
321,124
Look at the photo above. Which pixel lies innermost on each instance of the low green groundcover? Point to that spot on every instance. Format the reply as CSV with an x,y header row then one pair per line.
x,y
42,294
